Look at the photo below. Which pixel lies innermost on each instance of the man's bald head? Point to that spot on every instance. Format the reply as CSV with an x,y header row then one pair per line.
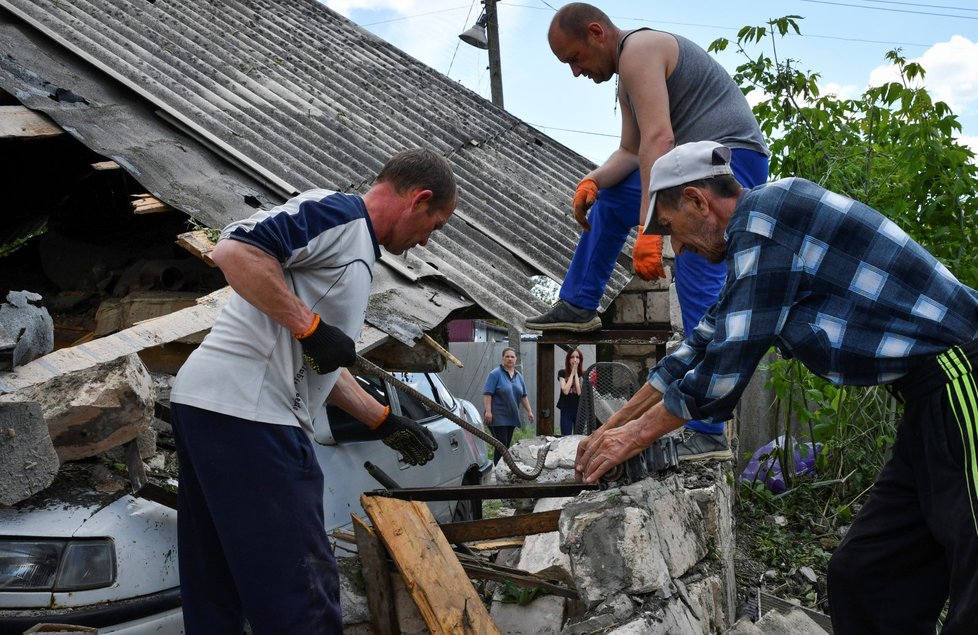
x,y
573,19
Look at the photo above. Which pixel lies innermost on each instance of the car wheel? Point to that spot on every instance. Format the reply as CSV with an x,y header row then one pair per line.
x,y
470,508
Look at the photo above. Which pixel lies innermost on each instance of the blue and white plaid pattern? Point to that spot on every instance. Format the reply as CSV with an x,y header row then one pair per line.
x,y
825,279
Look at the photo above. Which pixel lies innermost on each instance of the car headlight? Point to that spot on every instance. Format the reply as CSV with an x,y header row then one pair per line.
x,y
34,564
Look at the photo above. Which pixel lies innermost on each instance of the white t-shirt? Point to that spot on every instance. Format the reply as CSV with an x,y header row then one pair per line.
x,y
251,367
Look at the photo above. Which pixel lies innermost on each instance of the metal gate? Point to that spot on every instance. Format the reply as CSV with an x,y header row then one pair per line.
x,y
605,389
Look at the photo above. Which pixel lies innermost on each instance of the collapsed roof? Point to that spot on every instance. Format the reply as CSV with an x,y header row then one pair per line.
x,y
218,108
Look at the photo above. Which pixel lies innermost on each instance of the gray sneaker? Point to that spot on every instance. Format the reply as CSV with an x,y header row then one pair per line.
x,y
564,316
700,446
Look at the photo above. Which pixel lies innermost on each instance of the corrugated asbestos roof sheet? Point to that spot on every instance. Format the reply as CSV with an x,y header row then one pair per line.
x,y
296,96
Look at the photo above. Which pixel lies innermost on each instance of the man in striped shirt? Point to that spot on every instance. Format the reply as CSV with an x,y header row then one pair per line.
x,y
835,284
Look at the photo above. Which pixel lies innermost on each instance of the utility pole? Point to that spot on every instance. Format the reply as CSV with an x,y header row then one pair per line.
x,y
495,70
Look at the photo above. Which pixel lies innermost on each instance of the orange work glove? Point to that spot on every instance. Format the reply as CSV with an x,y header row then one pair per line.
x,y
647,256
584,197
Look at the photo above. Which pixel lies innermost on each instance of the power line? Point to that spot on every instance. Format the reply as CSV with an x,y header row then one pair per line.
x,y
417,15
596,134
455,52
859,6
730,28
918,4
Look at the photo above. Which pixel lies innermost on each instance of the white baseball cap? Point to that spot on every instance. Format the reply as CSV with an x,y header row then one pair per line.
x,y
683,164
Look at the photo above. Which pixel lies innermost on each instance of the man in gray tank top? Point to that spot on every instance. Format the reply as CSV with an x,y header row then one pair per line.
x,y
670,92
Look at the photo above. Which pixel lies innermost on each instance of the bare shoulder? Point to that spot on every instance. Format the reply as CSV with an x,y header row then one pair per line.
x,y
648,51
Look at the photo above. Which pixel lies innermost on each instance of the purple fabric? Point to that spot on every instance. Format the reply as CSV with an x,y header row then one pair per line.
x,y
765,464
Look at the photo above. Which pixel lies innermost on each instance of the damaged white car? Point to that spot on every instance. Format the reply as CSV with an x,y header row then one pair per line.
x,y
73,555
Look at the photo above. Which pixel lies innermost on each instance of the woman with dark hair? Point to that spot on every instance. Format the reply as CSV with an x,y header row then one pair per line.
x,y
504,393
570,377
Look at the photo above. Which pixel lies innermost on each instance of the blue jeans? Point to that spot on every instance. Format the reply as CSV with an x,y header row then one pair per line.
x,y
250,528
616,212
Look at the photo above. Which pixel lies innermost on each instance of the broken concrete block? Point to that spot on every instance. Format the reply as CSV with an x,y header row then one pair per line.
x,y
795,622
562,456
94,409
744,627
558,466
675,618
678,524
544,615
590,624
28,461
675,311
708,598
631,539
611,546
541,553
25,328
145,443
716,503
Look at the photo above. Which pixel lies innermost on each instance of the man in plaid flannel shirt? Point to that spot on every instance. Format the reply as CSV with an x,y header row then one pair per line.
x,y
838,286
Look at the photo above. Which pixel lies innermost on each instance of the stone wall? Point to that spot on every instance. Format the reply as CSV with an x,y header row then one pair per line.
x,y
655,556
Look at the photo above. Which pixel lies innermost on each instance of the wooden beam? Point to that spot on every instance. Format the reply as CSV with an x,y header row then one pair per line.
x,y
525,579
161,330
106,165
18,122
495,545
441,589
545,395
148,204
430,341
198,243
376,579
492,528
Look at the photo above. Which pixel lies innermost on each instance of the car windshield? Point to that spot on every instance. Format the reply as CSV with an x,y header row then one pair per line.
x,y
428,386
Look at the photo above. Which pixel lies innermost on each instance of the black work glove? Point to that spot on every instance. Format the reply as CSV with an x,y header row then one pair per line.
x,y
325,348
413,441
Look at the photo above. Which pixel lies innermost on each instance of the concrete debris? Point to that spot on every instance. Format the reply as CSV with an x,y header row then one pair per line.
x,y
558,468
541,553
645,557
544,615
28,461
795,622
94,409
26,330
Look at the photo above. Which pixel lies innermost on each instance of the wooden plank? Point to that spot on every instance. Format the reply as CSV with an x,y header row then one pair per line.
x,y
495,545
161,330
519,578
18,122
146,204
105,165
376,579
491,528
430,341
197,243
439,585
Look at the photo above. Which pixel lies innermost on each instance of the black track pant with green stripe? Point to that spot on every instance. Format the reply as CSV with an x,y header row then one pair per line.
x,y
914,544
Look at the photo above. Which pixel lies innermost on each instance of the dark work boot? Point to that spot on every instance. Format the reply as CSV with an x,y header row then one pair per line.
x,y
564,316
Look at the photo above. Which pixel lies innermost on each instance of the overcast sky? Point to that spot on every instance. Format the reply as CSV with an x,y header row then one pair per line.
x,y
844,41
